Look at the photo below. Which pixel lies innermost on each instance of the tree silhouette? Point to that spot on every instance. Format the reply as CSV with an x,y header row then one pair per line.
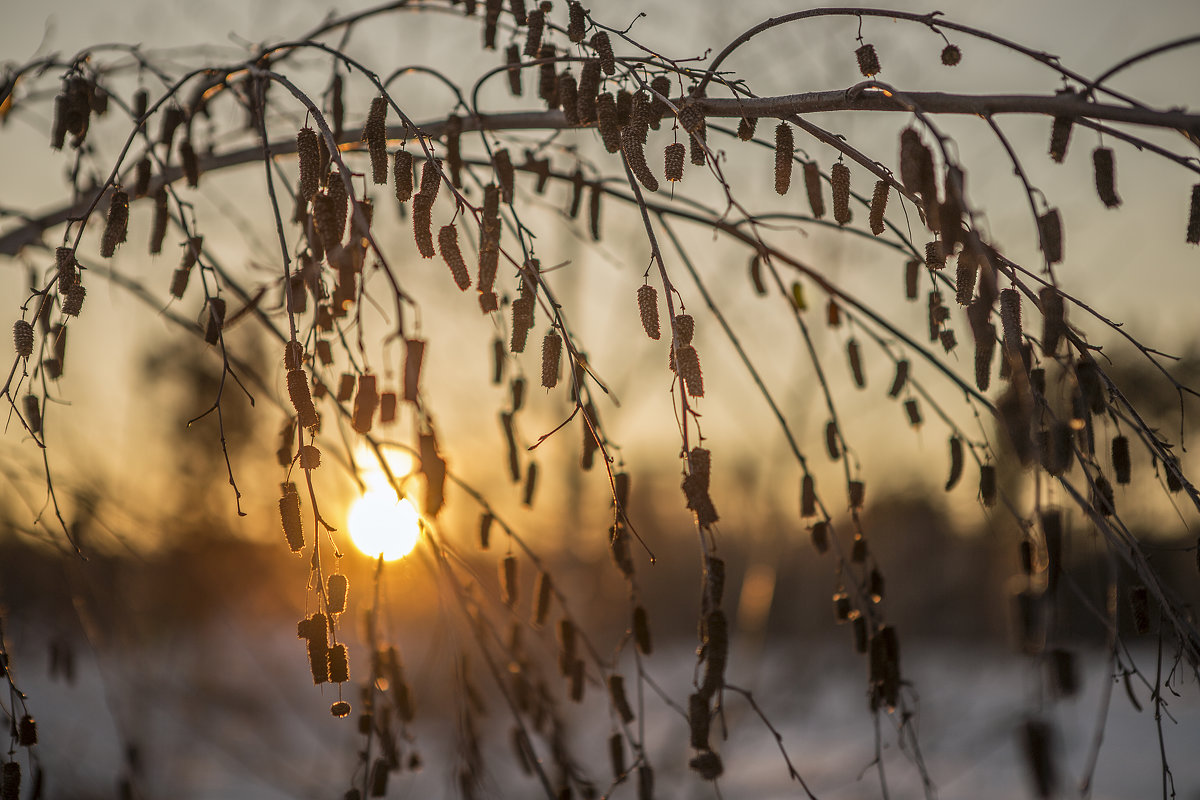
x,y
574,145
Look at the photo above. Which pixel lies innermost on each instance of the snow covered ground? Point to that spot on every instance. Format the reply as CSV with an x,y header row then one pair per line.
x,y
230,712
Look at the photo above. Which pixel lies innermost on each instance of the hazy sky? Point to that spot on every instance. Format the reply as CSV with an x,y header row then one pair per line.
x,y
1088,36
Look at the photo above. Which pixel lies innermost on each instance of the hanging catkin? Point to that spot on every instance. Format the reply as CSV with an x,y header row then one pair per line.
x,y
551,357
839,176
673,157
784,145
448,245
1106,181
374,133
855,355
879,206
647,298
868,60
117,225
402,174
812,184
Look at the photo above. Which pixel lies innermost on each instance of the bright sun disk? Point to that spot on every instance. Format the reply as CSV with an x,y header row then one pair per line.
x,y
380,526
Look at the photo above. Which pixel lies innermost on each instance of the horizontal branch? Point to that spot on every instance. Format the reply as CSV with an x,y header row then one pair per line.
x,y
858,98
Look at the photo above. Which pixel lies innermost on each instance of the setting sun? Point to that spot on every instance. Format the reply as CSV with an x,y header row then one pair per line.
x,y
380,526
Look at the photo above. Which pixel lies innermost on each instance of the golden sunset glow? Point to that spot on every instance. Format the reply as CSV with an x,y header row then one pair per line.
x,y
381,524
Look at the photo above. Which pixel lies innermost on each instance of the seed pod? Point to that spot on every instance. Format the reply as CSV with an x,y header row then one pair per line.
x,y
365,403
548,76
716,651
422,220
589,89
551,356
1103,162
530,483
27,732
141,182
190,163
414,354
1060,137
23,338
689,369
808,497
912,272
594,210
1050,228
856,369
117,225
645,782
508,579
647,297
603,47
402,175
784,145
339,664
345,387
10,780
956,462
635,156
913,411
387,407
857,491
820,536
1120,459
310,457
505,175
1010,319
73,301
698,720
673,158
658,110
967,273
606,118
535,22
951,55
289,512
1054,327
868,61
878,207
512,60
301,397
336,589
831,440
935,258
747,126
33,414
641,631
576,22
616,690
340,709
544,592
987,484
172,118
812,184
158,227
448,245
985,349
309,154
839,176
901,379
1193,228
568,97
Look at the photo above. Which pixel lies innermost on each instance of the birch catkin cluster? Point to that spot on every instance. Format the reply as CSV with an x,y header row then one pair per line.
x,y
1003,385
